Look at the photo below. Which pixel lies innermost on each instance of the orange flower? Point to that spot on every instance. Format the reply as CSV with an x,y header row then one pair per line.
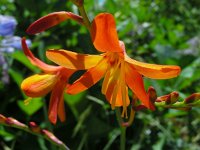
x,y
53,78
119,70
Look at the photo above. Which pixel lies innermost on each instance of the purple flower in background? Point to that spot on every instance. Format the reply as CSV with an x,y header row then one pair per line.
x,y
4,69
8,44
7,25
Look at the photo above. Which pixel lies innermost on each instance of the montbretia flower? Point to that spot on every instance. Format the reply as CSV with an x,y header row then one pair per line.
x,y
53,78
117,68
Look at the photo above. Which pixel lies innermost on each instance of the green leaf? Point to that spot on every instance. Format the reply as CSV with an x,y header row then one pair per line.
x,y
73,100
81,119
19,56
112,137
6,135
16,75
34,105
160,143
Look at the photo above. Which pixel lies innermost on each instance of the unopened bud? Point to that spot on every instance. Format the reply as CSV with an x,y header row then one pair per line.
x,y
173,97
34,127
192,98
51,136
2,119
162,98
152,94
12,121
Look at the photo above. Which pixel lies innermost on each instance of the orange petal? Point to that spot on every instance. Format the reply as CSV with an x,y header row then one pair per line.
x,y
155,71
104,34
35,61
61,110
89,78
38,85
57,102
72,60
135,82
118,101
51,20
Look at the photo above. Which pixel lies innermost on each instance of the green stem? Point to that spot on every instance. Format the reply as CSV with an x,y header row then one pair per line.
x,y
123,138
83,13
85,17
123,130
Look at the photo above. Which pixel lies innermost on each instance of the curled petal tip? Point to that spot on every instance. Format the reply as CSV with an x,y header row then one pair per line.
x,y
51,20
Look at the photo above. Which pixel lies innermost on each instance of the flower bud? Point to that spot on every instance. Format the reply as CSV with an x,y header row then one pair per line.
x,y
51,136
12,121
34,127
162,98
173,97
192,98
152,94
2,119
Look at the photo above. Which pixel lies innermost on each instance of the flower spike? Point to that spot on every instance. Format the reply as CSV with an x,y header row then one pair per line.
x,y
120,71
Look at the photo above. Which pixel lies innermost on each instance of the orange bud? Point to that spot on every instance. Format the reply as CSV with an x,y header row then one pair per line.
x,y
38,84
192,98
2,119
162,98
173,97
152,94
34,127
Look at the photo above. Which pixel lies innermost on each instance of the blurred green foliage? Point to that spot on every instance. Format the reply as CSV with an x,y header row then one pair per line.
x,y
158,31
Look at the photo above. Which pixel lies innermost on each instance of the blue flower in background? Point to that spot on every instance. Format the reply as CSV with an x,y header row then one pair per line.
x,y
8,44
7,25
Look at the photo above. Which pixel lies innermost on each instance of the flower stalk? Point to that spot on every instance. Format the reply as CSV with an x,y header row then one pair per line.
x,y
122,128
34,129
86,21
172,101
85,17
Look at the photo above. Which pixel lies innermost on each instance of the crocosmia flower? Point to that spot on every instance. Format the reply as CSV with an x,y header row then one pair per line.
x,y
7,25
120,72
53,79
